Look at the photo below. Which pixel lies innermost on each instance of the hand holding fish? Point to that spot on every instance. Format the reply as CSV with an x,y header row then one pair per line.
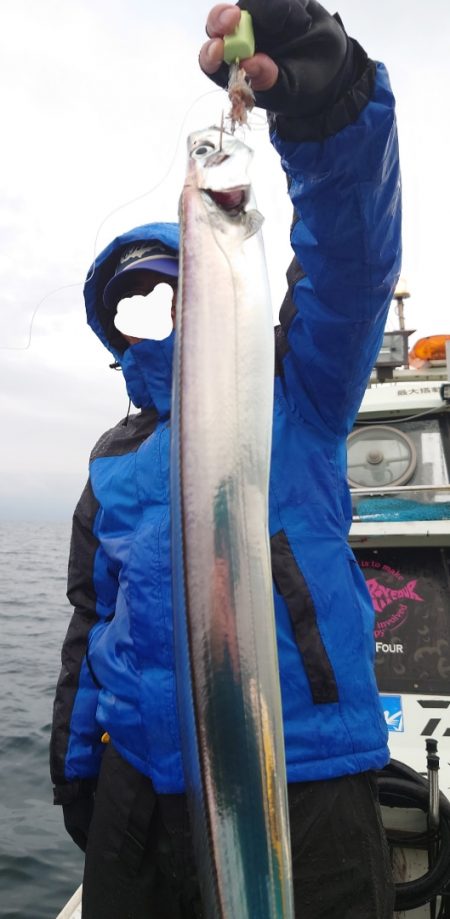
x,y
304,61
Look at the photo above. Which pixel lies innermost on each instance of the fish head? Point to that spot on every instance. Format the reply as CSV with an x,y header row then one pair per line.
x,y
218,165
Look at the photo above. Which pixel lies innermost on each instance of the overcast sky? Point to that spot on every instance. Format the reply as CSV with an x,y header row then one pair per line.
x,y
97,97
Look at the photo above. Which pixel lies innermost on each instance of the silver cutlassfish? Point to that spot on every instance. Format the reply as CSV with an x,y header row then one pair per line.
x,y
227,667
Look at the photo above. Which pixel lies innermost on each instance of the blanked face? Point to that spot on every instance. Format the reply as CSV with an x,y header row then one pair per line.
x,y
147,309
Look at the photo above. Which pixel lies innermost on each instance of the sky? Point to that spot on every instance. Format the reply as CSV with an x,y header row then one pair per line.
x,y
97,99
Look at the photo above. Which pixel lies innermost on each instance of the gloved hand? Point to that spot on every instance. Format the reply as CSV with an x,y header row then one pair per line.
x,y
77,819
304,60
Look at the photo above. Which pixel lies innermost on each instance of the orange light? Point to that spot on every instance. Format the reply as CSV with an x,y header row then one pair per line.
x,y
428,349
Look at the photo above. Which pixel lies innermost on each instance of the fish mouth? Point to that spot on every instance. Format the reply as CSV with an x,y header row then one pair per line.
x,y
231,200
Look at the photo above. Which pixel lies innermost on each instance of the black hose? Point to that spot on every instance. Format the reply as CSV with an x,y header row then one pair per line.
x,y
400,786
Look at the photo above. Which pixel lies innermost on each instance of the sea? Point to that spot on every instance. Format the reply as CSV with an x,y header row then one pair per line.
x,y
40,866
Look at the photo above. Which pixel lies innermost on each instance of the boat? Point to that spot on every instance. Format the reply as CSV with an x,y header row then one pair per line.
x,y
399,476
72,909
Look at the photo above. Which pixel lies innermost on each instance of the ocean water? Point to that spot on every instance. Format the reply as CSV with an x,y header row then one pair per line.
x,y
40,866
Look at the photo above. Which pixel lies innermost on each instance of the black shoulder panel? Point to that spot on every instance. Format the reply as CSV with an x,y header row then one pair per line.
x,y
81,593
83,547
127,436
288,309
281,349
291,584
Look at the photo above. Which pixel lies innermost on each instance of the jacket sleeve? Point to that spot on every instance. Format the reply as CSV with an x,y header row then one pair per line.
x,y
75,746
346,236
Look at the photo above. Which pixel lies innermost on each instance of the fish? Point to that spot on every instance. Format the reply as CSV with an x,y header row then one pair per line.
x,y
227,673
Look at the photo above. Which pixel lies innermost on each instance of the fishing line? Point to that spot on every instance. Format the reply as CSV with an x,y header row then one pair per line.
x,y
257,120
149,191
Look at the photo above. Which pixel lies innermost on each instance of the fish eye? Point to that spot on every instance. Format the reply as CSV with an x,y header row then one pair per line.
x,y
202,150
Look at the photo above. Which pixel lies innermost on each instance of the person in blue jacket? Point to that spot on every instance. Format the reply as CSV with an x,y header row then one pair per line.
x,y
115,750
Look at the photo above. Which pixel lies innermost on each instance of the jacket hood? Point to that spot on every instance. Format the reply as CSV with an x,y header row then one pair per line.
x,y
143,390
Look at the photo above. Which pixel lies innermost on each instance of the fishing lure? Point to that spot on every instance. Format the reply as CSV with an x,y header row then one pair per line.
x,y
237,47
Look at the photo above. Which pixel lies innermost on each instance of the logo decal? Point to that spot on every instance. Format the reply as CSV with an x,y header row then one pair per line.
x,y
383,596
391,603
393,713
439,705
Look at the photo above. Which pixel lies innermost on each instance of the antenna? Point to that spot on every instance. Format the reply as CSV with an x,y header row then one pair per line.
x,y
394,349
401,294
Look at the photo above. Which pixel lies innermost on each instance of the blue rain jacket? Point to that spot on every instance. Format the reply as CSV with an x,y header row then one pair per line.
x,y
118,658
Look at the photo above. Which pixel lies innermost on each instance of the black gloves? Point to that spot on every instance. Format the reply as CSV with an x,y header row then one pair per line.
x,y
77,819
318,65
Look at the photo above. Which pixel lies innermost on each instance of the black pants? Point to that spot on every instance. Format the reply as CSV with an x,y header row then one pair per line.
x,y
140,864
